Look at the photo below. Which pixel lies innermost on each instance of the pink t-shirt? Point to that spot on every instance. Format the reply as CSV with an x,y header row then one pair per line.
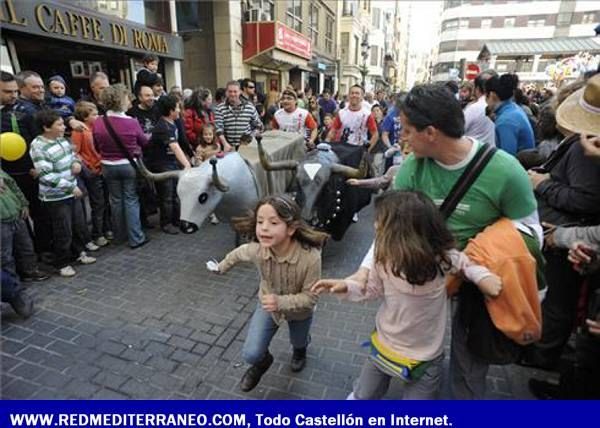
x,y
412,318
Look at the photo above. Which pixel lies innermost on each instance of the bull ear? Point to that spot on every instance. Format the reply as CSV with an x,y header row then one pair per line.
x,y
156,176
272,166
216,180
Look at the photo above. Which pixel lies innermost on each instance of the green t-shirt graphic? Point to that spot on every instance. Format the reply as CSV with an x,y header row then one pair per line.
x,y
502,190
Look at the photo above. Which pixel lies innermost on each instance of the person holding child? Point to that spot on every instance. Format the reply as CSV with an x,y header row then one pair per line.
x,y
287,253
57,166
414,251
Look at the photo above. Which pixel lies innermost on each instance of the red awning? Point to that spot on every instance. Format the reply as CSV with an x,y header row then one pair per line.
x,y
260,37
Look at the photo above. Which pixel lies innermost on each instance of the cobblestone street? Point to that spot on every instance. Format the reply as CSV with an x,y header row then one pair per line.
x,y
153,323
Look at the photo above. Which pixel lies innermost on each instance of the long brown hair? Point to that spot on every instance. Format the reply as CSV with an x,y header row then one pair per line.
x,y
289,212
411,237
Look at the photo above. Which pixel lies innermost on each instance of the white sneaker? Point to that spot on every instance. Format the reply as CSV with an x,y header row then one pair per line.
x,y
214,219
90,246
101,242
84,259
355,218
67,272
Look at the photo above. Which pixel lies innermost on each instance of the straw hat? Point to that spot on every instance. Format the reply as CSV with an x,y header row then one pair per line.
x,y
580,112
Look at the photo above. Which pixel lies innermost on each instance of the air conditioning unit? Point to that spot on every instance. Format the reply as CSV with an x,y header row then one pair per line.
x,y
252,15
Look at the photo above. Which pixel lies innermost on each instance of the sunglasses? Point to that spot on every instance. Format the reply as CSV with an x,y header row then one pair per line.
x,y
250,87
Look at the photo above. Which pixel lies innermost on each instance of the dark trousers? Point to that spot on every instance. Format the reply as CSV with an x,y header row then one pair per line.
x,y
98,194
18,254
167,197
68,229
559,308
42,231
10,286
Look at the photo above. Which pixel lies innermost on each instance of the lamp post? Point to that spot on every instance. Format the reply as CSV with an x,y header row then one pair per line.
x,y
364,50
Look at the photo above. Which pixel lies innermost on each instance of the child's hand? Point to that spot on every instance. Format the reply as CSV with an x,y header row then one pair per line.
x,y
77,193
76,168
352,181
490,286
269,302
213,266
330,286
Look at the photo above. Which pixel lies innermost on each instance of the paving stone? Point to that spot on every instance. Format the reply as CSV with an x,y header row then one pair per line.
x,y
19,389
53,379
28,371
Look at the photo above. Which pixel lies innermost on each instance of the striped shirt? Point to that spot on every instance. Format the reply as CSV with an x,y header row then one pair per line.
x,y
53,160
235,121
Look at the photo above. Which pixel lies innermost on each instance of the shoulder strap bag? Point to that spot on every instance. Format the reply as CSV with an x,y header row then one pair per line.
x,y
483,338
468,177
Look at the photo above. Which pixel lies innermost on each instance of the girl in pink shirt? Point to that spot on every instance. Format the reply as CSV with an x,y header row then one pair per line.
x,y
414,251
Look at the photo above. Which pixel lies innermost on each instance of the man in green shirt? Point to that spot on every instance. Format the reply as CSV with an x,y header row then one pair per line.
x,y
433,124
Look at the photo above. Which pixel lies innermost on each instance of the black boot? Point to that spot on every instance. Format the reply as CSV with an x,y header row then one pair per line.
x,y
298,359
22,304
255,372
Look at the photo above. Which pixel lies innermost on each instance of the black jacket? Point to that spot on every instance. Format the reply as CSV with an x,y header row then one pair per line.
x,y
25,127
572,194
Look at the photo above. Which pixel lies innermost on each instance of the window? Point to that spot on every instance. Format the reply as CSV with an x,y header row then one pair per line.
x,y
588,18
486,23
313,24
509,22
463,23
374,56
345,46
329,35
450,25
294,15
376,18
536,22
260,10
452,3
356,49
564,19
349,8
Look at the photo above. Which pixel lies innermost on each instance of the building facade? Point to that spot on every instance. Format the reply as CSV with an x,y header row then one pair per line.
x,y
468,24
78,38
275,43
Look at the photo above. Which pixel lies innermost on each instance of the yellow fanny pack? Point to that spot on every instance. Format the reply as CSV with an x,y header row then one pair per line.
x,y
393,363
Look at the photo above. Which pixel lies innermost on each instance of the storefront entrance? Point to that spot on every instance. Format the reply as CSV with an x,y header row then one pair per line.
x,y
74,62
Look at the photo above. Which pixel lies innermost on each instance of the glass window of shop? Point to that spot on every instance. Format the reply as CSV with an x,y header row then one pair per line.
x,y
155,15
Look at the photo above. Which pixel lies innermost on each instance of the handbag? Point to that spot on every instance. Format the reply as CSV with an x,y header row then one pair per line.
x,y
484,340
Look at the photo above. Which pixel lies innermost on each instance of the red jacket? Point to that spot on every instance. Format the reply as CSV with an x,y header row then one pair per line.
x,y
193,122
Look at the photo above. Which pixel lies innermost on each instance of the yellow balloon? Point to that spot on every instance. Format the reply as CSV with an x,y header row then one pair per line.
x,y
12,146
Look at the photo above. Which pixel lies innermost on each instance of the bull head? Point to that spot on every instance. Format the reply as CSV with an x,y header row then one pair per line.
x,y
273,166
217,182
160,176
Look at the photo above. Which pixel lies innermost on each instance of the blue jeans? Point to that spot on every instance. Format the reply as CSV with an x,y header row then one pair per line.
x,y
124,202
263,328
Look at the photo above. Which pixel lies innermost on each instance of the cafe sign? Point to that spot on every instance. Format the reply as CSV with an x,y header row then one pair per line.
x,y
63,22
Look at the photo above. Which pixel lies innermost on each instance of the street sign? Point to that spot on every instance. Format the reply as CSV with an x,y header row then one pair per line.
x,y
472,71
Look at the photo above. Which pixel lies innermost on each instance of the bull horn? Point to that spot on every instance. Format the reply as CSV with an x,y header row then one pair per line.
x,y
160,176
222,187
349,172
272,166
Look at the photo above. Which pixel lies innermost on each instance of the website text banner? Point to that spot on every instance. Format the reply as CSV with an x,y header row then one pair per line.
x,y
258,414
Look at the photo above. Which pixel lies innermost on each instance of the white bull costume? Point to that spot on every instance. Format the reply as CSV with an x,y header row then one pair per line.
x,y
231,185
